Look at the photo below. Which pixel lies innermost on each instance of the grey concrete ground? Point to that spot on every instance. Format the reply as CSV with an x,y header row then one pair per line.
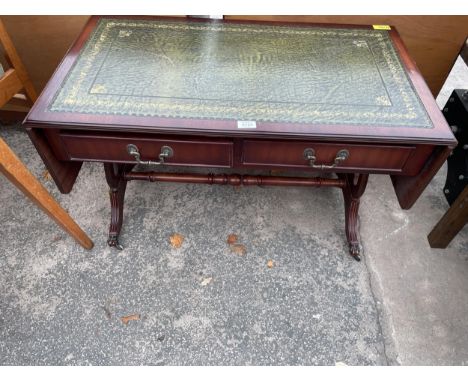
x,y
202,304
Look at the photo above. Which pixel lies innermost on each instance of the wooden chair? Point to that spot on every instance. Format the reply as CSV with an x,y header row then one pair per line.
x,y
12,82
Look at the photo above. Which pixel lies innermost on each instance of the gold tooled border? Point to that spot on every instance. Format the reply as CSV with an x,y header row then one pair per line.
x,y
69,96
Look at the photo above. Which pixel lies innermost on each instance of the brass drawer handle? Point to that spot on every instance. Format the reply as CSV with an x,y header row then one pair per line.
x,y
341,156
166,152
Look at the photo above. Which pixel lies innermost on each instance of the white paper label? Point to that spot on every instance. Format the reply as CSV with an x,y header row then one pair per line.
x,y
246,124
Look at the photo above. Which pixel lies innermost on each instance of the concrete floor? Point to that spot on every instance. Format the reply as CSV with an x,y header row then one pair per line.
x,y
201,304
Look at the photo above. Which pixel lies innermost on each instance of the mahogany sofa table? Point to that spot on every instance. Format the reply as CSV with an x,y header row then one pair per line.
x,y
337,99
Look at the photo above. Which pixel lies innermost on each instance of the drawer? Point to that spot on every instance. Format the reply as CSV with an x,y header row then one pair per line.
x,y
375,158
113,148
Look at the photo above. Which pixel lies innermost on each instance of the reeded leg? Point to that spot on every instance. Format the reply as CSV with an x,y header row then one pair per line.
x,y
355,187
117,185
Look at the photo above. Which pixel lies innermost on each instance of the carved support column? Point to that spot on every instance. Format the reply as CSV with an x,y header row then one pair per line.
x,y
352,192
117,185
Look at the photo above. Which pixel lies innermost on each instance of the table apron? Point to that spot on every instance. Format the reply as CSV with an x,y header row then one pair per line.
x,y
238,153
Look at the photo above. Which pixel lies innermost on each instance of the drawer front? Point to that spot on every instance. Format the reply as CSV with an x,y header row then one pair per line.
x,y
187,152
378,158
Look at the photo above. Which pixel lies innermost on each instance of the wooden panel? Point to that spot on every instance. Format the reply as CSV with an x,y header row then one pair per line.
x,y
408,189
63,173
291,154
434,42
187,152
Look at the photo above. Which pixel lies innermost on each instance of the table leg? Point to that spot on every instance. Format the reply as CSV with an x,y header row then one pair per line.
x,y
117,185
451,223
352,192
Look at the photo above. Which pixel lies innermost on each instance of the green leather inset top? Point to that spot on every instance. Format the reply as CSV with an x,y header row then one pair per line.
x,y
248,72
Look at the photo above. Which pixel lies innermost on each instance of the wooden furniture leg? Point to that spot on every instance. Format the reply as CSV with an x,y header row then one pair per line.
x,y
21,177
352,192
117,186
451,223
